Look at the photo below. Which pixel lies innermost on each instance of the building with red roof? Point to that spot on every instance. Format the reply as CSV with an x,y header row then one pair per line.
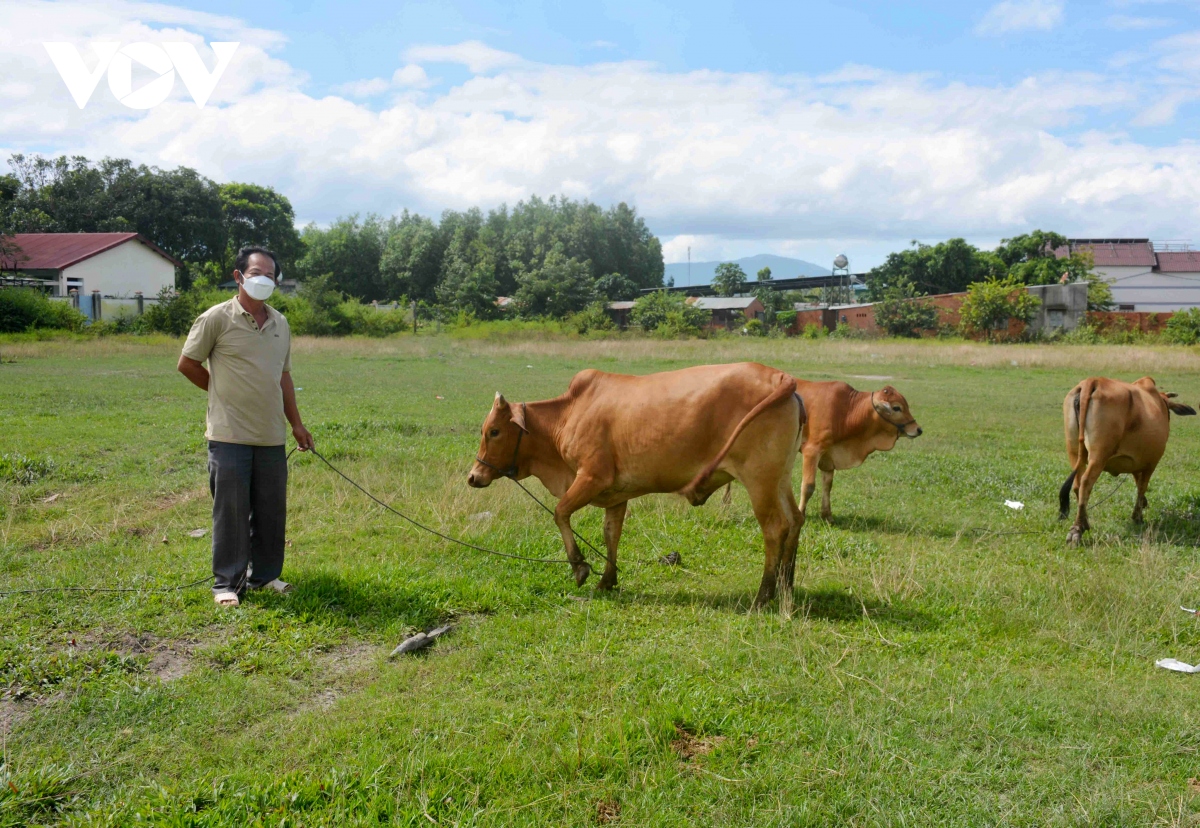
x,y
1144,275
114,265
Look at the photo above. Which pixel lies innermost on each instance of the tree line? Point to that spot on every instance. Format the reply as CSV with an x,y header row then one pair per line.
x,y
551,256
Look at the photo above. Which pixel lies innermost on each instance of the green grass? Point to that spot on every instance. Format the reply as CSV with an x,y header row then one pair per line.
x,y
936,670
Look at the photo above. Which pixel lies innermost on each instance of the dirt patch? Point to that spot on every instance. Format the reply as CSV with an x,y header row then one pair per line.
x,y
336,666
173,499
688,745
348,658
168,659
11,712
607,811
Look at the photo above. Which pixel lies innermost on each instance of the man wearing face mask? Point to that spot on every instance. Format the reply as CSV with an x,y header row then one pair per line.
x,y
251,399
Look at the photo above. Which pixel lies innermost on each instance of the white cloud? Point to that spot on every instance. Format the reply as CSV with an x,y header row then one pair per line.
x,y
411,75
1020,16
364,88
1124,22
713,159
476,56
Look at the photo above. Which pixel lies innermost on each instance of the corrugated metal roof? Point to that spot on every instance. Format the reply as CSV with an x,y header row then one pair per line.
x,y
55,251
1179,262
723,302
1113,253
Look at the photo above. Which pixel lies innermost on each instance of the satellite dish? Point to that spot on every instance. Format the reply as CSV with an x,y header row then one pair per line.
x,y
841,261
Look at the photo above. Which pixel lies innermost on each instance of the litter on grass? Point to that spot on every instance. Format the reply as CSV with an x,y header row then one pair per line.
x,y
198,533
1014,504
420,640
1177,666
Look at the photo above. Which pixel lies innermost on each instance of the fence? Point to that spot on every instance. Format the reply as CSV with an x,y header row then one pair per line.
x,y
98,308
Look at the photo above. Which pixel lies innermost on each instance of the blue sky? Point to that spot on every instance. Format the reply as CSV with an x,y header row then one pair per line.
x,y
801,129
337,43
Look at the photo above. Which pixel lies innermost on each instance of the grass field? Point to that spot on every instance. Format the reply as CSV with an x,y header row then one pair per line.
x,y
950,661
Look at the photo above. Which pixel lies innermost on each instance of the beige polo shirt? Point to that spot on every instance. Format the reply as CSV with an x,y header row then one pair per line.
x,y
245,364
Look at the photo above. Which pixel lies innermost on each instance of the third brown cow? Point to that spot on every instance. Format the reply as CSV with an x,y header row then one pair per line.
x,y
1124,431
843,426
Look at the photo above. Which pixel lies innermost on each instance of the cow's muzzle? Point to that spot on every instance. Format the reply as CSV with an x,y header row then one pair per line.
x,y
479,478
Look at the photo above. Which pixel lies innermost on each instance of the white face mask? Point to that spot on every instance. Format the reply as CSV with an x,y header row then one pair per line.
x,y
259,287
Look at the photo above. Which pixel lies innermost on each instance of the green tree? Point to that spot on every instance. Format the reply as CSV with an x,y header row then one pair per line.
x,y
349,251
559,287
902,313
989,306
946,267
411,263
729,279
179,210
469,283
256,215
616,288
764,274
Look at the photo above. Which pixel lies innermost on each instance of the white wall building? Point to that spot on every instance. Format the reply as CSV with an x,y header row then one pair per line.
x,y
1145,275
116,265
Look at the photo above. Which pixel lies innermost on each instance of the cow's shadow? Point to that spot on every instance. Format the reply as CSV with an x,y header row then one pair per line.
x,y
358,603
826,604
854,522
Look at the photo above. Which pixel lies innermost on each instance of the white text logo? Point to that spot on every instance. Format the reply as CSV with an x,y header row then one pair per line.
x,y
164,59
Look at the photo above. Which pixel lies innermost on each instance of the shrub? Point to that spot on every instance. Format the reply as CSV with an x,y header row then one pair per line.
x,y
592,318
174,313
901,313
814,331
654,309
786,319
17,468
679,324
990,305
23,309
755,327
1184,327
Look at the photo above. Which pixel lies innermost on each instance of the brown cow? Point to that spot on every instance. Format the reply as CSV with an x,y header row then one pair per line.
x,y
614,437
842,428
1125,429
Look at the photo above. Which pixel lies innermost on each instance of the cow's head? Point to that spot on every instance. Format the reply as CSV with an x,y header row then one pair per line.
x,y
1167,397
893,408
500,443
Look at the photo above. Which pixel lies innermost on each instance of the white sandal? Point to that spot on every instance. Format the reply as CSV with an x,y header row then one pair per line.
x,y
226,599
282,587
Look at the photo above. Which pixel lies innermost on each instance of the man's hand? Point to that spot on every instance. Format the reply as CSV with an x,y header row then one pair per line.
x,y
304,440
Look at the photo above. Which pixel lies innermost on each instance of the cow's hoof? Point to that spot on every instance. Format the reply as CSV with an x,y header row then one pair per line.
x,y
1074,536
581,571
1137,518
606,584
827,517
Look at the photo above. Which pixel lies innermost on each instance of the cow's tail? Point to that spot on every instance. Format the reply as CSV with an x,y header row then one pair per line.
x,y
1064,496
1085,396
786,388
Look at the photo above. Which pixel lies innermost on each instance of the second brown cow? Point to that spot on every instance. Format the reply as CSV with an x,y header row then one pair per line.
x,y
1115,427
843,426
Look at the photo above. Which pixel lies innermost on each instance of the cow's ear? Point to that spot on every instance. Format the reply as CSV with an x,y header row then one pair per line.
x,y
1170,395
1181,409
518,417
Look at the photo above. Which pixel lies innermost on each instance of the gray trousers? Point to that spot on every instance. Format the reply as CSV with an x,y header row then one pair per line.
x,y
249,490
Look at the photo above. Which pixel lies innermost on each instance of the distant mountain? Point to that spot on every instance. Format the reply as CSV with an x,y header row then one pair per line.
x,y
781,268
